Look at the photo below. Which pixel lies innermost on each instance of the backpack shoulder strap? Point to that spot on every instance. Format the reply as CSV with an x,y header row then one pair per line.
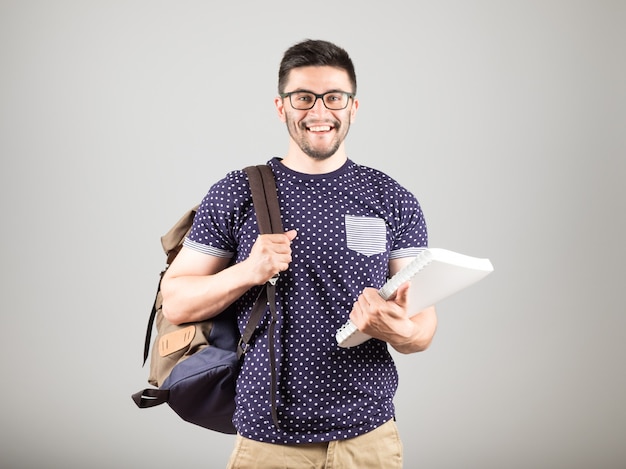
x,y
264,198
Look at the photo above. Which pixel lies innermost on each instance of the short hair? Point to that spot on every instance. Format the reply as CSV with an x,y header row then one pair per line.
x,y
315,53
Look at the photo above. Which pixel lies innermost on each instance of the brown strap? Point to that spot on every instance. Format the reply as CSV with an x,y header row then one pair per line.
x,y
271,198
265,200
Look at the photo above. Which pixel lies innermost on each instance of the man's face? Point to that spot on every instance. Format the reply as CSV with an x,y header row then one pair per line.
x,y
319,132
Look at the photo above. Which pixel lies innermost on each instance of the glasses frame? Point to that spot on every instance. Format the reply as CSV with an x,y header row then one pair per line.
x,y
317,96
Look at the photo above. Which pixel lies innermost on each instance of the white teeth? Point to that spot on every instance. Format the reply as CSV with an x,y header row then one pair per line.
x,y
320,128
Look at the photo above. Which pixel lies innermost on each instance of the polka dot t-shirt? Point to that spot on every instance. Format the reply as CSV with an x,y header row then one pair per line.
x,y
350,223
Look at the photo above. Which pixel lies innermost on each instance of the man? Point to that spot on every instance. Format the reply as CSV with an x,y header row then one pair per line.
x,y
348,228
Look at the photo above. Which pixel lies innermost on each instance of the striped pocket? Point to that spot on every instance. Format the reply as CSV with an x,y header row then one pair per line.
x,y
366,235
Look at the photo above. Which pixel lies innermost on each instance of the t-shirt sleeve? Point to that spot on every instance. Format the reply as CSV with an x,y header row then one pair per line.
x,y
219,215
411,234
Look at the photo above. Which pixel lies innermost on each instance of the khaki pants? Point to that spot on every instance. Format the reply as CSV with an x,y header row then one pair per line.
x,y
378,449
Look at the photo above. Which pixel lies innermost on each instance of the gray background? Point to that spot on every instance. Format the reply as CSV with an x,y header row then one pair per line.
x,y
506,119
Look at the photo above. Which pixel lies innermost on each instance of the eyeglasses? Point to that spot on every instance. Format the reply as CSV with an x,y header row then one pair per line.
x,y
304,100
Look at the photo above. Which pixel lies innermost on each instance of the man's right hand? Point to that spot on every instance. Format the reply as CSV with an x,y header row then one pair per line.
x,y
270,255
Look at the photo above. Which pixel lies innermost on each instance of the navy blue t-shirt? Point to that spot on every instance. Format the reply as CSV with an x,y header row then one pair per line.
x,y
350,223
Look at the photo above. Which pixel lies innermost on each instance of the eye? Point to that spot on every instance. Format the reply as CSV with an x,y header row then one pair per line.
x,y
303,97
334,97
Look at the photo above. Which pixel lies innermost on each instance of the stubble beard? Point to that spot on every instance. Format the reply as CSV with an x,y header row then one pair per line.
x,y
299,132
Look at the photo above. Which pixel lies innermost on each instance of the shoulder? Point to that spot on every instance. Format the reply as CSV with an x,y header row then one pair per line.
x,y
373,174
232,189
380,182
234,180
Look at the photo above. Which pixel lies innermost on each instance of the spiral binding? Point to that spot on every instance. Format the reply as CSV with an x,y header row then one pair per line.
x,y
405,274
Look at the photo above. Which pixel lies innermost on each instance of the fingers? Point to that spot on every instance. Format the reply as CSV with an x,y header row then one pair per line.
x,y
291,234
366,305
401,296
278,242
271,254
371,308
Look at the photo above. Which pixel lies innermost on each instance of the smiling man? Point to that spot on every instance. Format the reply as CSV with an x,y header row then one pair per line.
x,y
348,229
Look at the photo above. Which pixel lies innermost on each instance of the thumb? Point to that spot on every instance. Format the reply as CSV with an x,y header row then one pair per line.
x,y
291,234
401,297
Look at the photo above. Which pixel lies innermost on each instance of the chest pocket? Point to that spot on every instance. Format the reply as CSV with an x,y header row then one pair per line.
x,y
366,235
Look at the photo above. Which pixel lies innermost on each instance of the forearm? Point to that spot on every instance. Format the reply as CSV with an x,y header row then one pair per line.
x,y
197,297
197,286
420,336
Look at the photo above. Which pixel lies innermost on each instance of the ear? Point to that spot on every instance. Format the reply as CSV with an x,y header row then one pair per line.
x,y
355,106
280,108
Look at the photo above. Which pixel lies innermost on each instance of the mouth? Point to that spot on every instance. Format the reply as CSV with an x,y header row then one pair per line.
x,y
320,128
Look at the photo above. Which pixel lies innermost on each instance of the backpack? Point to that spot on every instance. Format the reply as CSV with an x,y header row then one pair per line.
x,y
194,366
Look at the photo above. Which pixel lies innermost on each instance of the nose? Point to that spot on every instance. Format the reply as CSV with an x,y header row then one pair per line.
x,y
318,106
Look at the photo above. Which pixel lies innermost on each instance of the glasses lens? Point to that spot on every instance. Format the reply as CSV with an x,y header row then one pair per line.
x,y
302,100
336,100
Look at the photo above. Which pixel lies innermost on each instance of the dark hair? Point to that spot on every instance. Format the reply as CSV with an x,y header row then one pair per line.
x,y
315,53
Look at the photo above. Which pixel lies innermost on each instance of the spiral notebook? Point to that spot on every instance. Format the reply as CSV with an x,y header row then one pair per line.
x,y
435,274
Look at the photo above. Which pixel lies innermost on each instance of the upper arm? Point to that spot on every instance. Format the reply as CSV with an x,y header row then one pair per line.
x,y
395,265
189,262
